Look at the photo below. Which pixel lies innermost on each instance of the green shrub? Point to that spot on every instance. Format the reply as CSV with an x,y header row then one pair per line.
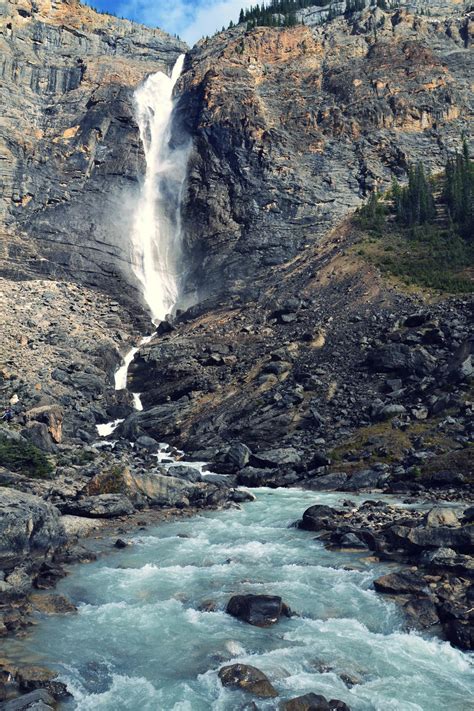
x,y
24,458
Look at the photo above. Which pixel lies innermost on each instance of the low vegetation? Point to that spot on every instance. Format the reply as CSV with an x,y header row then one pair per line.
x,y
24,458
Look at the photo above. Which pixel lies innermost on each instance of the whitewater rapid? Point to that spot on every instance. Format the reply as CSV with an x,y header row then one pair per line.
x,y
146,636
156,237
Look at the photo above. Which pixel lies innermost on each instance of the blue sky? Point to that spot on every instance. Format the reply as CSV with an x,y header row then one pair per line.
x,y
190,19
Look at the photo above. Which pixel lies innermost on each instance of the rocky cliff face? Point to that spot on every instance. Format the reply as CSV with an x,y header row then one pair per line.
x,y
71,155
293,127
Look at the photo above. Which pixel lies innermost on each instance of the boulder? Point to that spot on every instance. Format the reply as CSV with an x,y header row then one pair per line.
x,y
401,359
281,456
366,479
32,678
38,434
400,583
101,506
317,517
258,610
153,487
460,539
30,528
441,517
247,678
50,415
38,700
313,702
328,482
180,471
421,612
239,455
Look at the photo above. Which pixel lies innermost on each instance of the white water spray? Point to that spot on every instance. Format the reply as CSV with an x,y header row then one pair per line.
x,y
157,233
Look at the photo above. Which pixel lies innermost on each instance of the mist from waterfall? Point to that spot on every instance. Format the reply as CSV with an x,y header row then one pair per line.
x,y
157,231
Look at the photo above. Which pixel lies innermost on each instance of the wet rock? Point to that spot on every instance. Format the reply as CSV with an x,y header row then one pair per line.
x,y
247,678
421,612
313,702
120,543
52,604
400,583
32,678
38,700
258,610
317,517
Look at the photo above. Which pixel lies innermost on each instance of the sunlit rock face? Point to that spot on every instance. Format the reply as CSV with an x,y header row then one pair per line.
x,y
294,127
72,155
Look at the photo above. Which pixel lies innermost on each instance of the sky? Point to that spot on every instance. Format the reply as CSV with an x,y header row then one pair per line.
x,y
190,19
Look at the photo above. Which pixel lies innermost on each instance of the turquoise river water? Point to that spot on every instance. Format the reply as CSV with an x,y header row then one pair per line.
x,y
140,643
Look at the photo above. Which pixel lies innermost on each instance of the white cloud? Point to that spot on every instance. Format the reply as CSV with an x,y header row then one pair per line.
x,y
189,19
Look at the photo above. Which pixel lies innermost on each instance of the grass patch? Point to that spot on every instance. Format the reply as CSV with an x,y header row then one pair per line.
x,y
428,256
25,458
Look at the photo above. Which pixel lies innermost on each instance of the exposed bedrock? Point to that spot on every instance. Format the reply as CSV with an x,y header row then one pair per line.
x,y
71,153
293,127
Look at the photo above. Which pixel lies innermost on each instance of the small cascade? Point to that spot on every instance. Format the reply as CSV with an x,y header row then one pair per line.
x,y
157,232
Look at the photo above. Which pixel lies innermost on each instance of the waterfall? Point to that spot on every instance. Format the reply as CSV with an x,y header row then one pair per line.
x,y
156,234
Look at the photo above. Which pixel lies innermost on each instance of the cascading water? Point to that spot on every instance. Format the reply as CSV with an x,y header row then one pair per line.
x,y
157,232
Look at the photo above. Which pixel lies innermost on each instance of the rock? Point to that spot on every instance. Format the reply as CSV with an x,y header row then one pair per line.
x,y
313,702
147,443
317,517
402,359
400,583
30,528
366,479
421,612
461,539
38,700
191,474
52,604
461,634
242,495
38,434
247,678
388,412
100,506
120,543
258,610
32,678
155,488
276,457
239,454
52,416
328,482
441,517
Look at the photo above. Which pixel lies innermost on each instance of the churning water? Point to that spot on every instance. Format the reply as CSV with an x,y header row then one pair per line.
x,y
140,642
157,234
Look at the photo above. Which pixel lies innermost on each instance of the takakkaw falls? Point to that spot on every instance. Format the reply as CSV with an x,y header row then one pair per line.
x,y
237,357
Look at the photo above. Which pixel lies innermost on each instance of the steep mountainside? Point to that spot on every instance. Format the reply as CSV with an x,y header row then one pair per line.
x,y
293,127
70,152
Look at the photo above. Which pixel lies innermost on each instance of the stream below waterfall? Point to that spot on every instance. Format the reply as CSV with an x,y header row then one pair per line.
x,y
140,642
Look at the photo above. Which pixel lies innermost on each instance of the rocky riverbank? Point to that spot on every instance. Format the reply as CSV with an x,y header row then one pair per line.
x,y
434,548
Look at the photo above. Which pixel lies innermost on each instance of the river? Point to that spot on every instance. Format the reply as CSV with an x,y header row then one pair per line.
x,y
140,642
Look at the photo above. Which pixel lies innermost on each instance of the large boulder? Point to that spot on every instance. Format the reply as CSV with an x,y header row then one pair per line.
x,y
30,528
282,456
50,415
258,610
101,506
313,702
154,487
317,517
401,359
247,678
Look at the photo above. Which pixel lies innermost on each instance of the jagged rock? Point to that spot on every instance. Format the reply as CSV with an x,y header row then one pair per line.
x,y
276,457
441,517
247,678
30,528
186,473
38,700
421,612
52,416
258,610
400,358
400,583
52,604
32,678
100,506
